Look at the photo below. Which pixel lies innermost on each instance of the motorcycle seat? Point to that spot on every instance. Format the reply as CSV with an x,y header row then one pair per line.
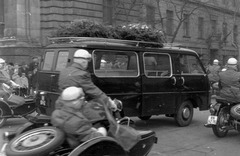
x,y
225,101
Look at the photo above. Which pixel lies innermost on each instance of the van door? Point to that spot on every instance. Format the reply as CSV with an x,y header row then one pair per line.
x,y
159,91
193,82
54,61
117,74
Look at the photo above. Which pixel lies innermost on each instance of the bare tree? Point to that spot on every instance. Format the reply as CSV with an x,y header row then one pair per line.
x,y
185,7
125,8
221,37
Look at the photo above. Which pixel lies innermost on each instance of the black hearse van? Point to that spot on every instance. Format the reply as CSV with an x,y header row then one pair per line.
x,y
149,78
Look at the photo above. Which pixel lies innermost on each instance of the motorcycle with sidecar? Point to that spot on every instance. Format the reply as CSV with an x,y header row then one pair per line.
x,y
38,137
14,106
224,116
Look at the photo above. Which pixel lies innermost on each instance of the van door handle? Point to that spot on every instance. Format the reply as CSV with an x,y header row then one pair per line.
x,y
183,80
174,81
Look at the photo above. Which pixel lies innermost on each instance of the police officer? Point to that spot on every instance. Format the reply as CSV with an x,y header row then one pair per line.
x,y
78,76
229,81
213,71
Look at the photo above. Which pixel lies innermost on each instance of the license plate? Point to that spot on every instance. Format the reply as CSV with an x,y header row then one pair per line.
x,y
43,102
212,120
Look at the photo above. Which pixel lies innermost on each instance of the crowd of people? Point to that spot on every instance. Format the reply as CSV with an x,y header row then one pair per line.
x,y
23,75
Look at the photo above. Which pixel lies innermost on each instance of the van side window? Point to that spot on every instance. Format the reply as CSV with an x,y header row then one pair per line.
x,y
62,60
115,64
156,65
48,61
190,65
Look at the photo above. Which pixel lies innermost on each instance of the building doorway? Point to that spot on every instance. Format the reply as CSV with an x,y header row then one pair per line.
x,y
213,55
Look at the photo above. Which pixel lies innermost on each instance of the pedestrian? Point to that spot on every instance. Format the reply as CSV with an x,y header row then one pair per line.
x,y
23,83
5,71
15,72
23,69
4,79
32,73
10,69
71,119
77,75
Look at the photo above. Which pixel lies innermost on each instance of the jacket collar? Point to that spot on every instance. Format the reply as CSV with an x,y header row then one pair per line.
x,y
76,65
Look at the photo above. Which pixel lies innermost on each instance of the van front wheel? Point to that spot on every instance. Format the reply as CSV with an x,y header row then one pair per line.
x,y
184,114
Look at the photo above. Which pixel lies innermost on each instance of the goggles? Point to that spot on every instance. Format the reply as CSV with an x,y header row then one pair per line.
x,y
87,59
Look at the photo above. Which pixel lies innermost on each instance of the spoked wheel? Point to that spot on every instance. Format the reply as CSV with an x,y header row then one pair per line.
x,y
218,129
39,141
2,119
184,114
235,111
144,117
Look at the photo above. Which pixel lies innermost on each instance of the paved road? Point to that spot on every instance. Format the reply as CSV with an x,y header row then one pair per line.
x,y
11,125
194,140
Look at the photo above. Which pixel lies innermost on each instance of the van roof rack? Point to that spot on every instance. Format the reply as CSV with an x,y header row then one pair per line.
x,y
172,44
97,39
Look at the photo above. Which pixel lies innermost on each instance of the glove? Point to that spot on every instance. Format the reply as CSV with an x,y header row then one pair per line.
x,y
113,105
102,130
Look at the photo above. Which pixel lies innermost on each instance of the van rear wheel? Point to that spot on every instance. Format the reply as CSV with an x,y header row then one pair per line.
x,y
184,114
144,117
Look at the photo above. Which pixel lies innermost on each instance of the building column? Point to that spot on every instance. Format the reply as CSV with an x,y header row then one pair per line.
x,y
22,20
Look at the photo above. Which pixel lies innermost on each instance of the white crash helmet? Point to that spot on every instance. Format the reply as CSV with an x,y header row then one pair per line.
x,y
72,93
232,61
215,61
82,53
2,60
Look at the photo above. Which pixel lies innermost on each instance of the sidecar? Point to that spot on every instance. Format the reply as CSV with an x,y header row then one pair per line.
x,y
51,141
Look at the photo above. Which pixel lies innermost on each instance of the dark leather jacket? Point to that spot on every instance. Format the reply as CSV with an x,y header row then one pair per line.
x,y
229,84
213,73
74,75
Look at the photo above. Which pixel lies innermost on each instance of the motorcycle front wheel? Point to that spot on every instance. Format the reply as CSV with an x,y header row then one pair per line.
x,y
218,129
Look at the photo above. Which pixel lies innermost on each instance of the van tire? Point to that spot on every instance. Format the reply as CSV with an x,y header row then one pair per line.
x,y
144,117
184,114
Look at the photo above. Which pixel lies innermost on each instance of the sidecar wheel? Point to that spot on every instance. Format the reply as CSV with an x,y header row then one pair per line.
x,y
218,128
184,114
34,142
2,119
235,111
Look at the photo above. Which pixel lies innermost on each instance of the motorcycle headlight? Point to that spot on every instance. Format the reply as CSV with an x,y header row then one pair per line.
x,y
7,136
212,110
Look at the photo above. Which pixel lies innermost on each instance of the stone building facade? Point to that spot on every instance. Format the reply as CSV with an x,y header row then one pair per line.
x,y
25,25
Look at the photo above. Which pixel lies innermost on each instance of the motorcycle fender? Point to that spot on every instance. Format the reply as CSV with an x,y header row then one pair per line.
x,y
24,128
217,107
6,110
83,148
